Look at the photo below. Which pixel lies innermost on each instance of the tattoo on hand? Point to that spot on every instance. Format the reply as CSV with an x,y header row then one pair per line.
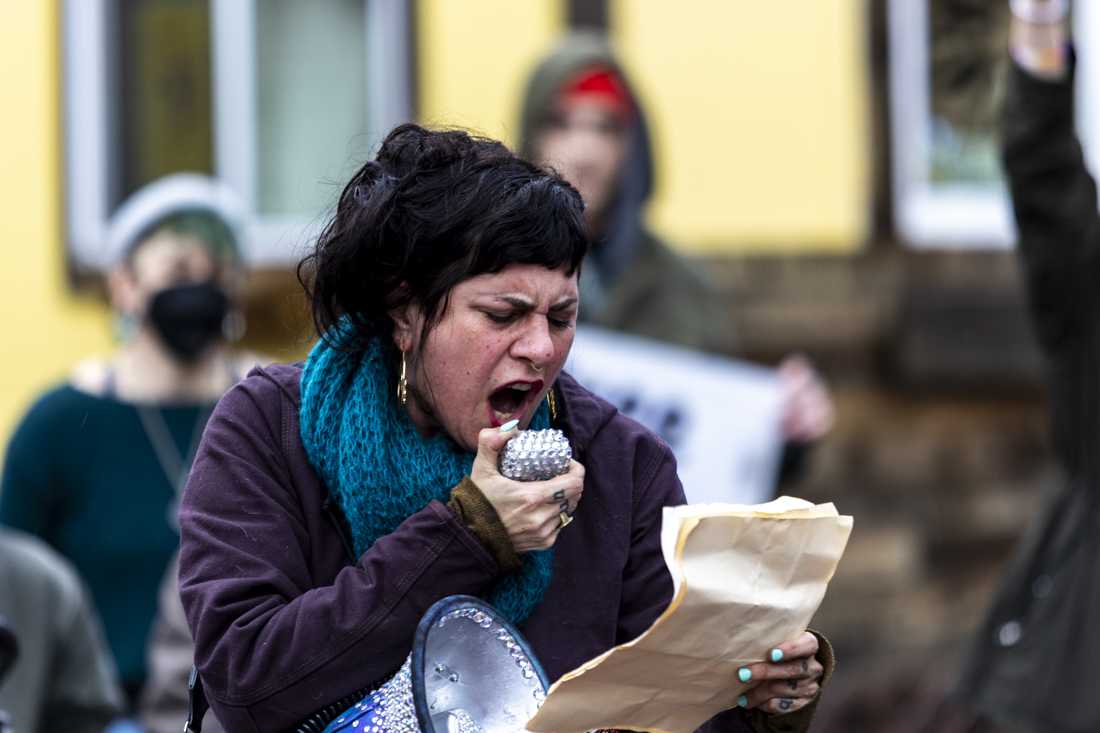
x,y
806,666
785,704
793,684
558,498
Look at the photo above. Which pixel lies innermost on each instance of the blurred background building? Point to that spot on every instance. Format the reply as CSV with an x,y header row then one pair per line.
x,y
830,163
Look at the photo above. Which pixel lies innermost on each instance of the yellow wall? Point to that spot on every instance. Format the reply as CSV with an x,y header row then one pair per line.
x,y
45,329
475,56
759,110
760,119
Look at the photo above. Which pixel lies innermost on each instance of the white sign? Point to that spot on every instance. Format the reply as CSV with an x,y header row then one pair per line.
x,y
720,416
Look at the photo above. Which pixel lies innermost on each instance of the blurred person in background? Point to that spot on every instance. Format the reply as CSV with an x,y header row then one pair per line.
x,y
1030,668
97,463
63,679
581,117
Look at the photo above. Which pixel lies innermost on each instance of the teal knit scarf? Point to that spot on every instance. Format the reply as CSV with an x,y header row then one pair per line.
x,y
379,468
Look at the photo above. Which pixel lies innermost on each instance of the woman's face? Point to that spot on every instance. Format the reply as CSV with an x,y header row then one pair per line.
x,y
585,141
165,259
498,347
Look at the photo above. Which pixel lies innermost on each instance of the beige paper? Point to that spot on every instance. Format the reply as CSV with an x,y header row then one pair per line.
x,y
746,578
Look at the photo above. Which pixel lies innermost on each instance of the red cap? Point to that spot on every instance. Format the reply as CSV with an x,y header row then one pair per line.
x,y
602,84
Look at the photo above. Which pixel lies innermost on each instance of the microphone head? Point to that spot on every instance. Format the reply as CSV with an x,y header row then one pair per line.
x,y
536,455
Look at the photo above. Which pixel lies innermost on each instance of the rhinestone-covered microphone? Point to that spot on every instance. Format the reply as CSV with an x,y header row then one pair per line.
x,y
536,455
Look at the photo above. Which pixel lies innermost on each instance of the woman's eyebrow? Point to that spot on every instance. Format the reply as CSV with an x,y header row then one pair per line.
x,y
516,302
523,304
561,305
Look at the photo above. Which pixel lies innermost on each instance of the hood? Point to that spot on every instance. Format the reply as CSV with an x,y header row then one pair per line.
x,y
613,249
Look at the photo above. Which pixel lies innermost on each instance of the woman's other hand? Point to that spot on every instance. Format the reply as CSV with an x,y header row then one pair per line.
x,y
787,684
807,406
531,511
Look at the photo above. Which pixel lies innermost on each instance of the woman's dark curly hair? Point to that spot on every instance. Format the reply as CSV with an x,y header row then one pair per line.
x,y
433,209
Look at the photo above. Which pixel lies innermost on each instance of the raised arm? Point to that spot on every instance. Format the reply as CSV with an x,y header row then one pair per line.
x,y
1053,195
1055,204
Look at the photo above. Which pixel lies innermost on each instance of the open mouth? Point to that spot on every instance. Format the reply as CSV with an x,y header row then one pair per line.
x,y
510,401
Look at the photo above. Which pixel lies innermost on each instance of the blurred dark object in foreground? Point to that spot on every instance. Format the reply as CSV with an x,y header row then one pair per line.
x,y
9,649
9,652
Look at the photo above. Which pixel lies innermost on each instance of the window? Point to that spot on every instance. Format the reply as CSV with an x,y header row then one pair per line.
x,y
948,190
280,98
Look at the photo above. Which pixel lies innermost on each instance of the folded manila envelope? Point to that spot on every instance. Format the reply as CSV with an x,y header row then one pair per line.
x,y
745,578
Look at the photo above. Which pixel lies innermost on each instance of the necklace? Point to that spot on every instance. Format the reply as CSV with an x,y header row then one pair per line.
x,y
176,467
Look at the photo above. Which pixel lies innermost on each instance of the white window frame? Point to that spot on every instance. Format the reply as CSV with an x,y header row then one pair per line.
x,y
271,241
930,215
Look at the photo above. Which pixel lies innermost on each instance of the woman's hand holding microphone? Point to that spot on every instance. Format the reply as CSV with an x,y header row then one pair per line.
x,y
533,512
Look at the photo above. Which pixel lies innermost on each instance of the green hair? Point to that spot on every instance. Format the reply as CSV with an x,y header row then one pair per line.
x,y
207,227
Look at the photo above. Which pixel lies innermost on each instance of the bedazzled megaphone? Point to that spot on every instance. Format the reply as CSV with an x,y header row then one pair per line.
x,y
470,671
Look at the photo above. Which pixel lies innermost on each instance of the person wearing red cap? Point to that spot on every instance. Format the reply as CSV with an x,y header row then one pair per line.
x,y
581,117
586,137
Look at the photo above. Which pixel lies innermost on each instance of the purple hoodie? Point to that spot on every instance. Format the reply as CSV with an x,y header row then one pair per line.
x,y
286,620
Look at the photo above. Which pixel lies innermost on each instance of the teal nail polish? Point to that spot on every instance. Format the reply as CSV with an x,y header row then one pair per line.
x,y
509,426
742,701
777,655
744,674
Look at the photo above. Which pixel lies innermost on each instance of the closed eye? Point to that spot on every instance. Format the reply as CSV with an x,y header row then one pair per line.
x,y
501,318
558,321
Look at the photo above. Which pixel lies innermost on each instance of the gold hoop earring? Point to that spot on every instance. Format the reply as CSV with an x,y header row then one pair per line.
x,y
402,384
552,403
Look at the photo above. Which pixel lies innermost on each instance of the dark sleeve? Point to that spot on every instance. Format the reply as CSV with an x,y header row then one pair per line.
x,y
27,495
480,517
273,643
1055,206
647,586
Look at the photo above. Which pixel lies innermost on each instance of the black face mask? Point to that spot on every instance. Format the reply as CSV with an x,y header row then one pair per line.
x,y
188,318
